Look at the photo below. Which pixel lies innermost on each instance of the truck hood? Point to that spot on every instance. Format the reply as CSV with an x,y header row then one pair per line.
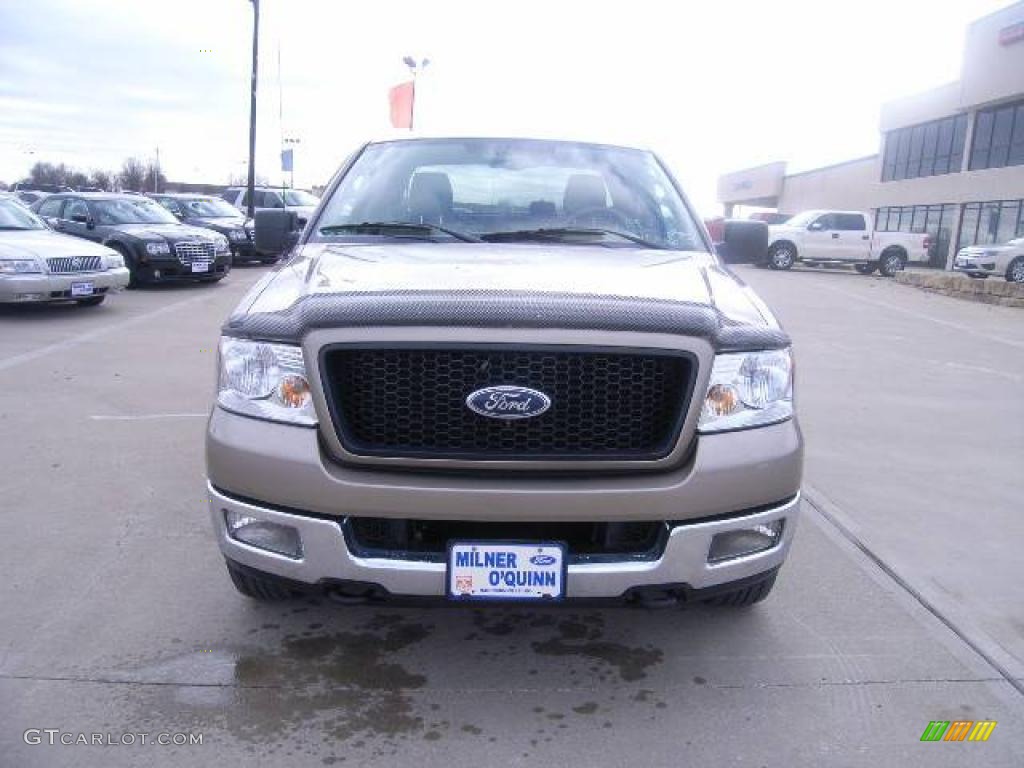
x,y
503,285
44,244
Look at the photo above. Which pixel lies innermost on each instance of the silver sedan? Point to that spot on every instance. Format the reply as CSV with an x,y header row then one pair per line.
x,y
1005,260
40,265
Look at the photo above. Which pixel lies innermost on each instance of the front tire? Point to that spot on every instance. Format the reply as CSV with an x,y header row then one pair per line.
x,y
741,598
260,587
94,301
892,261
1015,272
866,269
781,256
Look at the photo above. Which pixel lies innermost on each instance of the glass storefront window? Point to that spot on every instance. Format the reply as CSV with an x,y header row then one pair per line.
x,y
1006,228
995,221
969,226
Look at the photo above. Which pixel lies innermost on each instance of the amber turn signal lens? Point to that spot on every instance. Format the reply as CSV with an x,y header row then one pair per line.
x,y
293,391
721,400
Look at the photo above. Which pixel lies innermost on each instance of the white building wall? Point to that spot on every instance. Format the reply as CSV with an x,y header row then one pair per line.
x,y
848,186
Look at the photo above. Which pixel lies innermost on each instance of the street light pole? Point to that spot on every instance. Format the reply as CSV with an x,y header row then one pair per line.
x,y
251,186
415,67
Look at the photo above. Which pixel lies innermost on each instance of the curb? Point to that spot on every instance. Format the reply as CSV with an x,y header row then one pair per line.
x,y
990,291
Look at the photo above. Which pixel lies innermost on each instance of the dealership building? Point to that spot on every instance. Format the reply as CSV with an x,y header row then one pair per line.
x,y
950,160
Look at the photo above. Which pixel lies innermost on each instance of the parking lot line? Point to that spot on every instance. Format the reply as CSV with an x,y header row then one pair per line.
x,y
925,316
148,416
118,325
981,645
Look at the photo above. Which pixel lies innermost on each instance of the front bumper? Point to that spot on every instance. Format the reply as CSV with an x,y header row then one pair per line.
x,y
974,265
283,473
327,559
243,249
34,288
170,268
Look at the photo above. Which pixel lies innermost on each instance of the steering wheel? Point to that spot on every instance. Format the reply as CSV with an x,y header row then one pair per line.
x,y
596,213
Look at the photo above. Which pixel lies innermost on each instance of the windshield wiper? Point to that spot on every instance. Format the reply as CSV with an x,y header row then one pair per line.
x,y
381,227
557,233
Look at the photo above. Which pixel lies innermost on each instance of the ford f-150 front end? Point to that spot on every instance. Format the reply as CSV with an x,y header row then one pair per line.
x,y
504,369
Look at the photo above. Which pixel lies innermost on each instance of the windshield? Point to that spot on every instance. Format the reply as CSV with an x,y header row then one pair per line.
x,y
210,208
802,219
482,187
16,216
298,197
139,211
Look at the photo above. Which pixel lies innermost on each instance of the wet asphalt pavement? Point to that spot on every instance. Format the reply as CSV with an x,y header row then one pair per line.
x,y
116,615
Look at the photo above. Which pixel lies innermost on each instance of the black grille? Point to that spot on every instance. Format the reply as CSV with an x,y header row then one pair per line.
x,y
411,402
428,539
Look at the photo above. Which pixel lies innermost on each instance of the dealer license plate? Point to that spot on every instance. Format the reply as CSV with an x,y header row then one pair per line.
x,y
503,570
200,266
82,289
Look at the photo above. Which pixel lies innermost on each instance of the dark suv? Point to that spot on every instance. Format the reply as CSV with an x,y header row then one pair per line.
x,y
214,213
155,245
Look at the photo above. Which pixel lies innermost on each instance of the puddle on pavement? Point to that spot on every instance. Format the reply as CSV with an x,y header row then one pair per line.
x,y
358,678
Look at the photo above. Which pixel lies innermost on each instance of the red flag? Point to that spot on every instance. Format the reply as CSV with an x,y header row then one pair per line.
x,y
401,98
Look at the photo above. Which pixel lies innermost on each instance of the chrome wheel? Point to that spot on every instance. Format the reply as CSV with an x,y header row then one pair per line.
x,y
1016,274
891,264
782,257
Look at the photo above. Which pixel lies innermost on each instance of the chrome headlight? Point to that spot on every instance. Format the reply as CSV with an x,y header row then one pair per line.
x,y
158,248
19,267
114,261
265,381
220,244
749,389
237,235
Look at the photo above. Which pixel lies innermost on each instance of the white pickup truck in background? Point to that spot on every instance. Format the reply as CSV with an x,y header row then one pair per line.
x,y
843,237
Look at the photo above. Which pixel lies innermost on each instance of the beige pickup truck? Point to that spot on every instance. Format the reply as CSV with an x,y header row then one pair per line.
x,y
496,369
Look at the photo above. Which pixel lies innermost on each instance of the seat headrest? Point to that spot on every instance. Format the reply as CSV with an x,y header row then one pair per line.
x,y
430,194
583,191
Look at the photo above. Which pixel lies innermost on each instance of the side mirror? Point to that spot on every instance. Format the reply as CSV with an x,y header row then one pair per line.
x,y
743,241
276,231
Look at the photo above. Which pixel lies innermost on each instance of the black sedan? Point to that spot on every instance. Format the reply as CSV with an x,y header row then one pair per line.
x,y
213,213
155,245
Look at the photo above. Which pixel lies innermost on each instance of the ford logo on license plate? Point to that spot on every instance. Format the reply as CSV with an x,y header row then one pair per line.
x,y
508,402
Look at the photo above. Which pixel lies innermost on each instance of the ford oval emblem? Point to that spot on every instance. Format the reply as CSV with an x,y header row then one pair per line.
x,y
508,402
543,560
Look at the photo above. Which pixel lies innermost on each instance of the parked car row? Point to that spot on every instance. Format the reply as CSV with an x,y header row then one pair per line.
x,y
83,246
155,246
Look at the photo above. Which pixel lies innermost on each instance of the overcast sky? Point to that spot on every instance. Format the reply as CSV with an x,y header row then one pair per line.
x,y
713,86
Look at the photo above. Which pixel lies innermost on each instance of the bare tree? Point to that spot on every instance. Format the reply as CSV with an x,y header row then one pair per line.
x,y
240,180
76,179
48,173
133,174
154,181
104,180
